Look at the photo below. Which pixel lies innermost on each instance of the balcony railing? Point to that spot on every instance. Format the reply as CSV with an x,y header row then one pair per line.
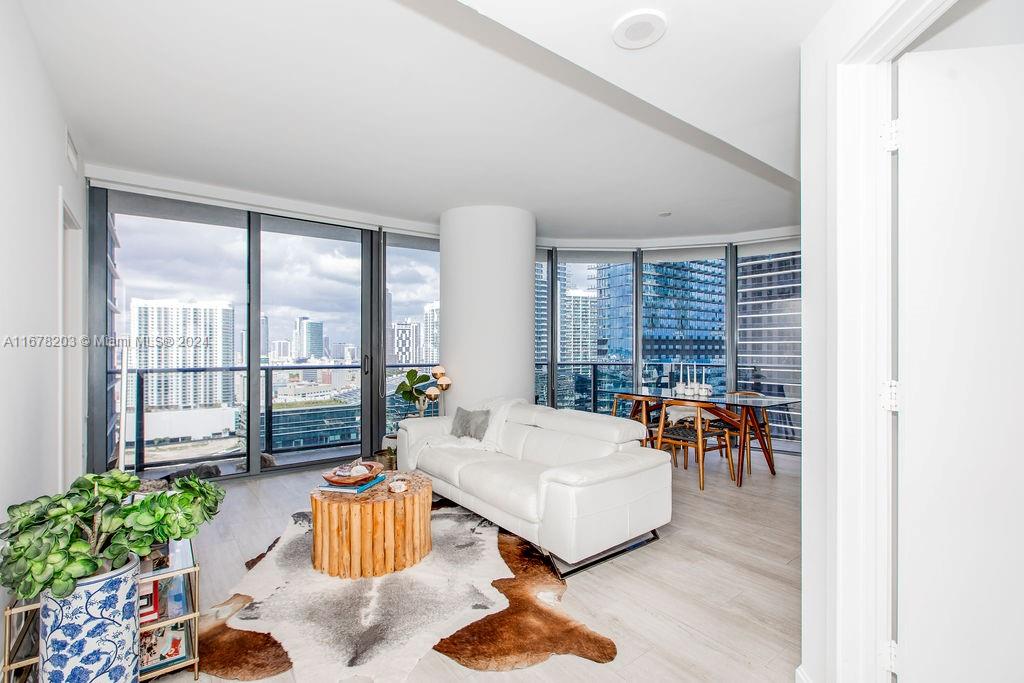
x,y
316,406
186,415
591,386
179,416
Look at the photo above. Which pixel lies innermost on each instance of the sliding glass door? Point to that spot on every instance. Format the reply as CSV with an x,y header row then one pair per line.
x,y
176,298
310,341
235,342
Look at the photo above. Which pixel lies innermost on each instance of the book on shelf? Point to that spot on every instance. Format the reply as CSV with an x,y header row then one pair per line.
x,y
149,601
167,557
353,489
170,644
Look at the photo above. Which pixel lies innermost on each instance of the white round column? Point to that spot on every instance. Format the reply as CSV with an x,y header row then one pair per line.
x,y
487,323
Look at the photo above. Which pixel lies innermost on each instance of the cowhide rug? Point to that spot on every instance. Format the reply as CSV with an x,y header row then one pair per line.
x,y
483,597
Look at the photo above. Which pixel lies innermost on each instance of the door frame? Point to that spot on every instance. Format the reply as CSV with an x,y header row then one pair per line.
x,y
865,351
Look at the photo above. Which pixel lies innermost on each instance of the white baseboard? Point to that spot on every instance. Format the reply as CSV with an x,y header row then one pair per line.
x,y
801,675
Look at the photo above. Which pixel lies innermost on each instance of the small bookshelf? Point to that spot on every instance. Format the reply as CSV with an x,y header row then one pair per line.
x,y
168,619
169,611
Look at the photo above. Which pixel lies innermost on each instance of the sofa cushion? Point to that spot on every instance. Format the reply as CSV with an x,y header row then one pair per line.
x,y
509,485
513,436
527,413
617,430
552,448
446,462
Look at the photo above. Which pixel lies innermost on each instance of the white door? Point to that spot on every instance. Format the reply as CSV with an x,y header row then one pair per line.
x,y
960,585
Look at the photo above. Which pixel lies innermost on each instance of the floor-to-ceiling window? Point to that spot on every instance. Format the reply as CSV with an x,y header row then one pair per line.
x,y
412,317
595,327
310,335
768,330
745,341
218,325
176,299
683,327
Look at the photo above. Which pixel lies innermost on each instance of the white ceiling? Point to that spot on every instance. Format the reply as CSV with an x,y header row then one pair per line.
x,y
403,108
729,67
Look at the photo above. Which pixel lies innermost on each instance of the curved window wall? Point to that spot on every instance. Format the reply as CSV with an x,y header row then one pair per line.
x,y
732,312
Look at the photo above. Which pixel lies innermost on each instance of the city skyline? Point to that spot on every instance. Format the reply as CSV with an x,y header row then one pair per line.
x,y
301,276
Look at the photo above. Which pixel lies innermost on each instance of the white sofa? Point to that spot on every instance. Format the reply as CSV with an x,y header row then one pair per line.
x,y
573,483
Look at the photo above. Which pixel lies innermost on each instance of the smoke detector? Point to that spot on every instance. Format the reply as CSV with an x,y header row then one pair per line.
x,y
639,29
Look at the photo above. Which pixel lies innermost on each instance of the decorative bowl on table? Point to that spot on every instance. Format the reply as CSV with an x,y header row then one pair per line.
x,y
353,474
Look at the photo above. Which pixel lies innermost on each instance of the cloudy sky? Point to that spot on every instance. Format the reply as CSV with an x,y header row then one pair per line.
x,y
311,276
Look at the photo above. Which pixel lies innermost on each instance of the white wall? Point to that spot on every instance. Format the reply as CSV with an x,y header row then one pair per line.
x,y
487,325
32,135
831,39
975,23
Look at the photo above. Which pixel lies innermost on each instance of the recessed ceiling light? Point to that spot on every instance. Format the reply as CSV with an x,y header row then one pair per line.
x,y
665,214
639,29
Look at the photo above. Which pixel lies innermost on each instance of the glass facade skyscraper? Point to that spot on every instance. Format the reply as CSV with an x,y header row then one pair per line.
x,y
683,318
769,355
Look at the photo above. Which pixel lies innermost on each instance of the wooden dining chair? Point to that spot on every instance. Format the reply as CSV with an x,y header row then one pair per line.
x,y
732,431
643,409
685,434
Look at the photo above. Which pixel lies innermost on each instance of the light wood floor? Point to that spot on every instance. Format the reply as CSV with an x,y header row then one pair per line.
x,y
717,599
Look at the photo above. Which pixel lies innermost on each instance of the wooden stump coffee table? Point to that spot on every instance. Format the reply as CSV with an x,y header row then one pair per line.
x,y
373,533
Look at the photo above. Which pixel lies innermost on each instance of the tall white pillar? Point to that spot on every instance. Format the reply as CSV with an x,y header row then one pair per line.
x,y
487,323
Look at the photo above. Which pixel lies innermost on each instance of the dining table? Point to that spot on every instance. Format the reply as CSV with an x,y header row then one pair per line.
x,y
738,410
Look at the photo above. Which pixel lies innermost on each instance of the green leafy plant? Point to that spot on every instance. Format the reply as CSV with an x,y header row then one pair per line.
x,y
411,389
53,541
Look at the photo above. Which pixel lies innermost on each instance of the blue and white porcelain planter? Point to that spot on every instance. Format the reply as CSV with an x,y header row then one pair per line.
x,y
92,634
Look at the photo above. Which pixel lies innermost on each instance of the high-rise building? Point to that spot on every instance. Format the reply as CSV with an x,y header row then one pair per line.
x,y
540,306
307,338
315,339
299,338
407,341
281,349
344,354
431,353
768,344
578,326
683,316
210,325
350,354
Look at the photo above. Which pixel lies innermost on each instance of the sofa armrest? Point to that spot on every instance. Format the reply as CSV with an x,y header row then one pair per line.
x,y
412,432
594,505
624,463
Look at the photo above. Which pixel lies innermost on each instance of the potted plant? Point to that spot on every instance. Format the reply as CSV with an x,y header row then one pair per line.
x,y
411,389
79,552
387,457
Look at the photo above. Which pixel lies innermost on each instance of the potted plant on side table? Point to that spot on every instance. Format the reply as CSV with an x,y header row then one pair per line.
x,y
79,552
412,390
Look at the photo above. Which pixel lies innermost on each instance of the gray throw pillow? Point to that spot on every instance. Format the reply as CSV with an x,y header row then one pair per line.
x,y
471,423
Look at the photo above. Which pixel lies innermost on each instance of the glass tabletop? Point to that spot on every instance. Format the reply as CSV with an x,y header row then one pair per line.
x,y
716,399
